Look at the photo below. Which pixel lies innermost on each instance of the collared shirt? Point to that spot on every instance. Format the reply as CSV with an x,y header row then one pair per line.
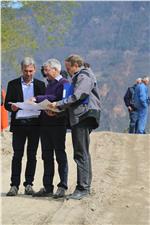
x,y
27,89
58,77
52,81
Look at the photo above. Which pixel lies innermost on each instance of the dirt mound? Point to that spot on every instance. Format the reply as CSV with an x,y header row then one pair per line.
x,y
120,187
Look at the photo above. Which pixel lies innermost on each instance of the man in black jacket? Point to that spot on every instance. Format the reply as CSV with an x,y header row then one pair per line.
x,y
129,102
25,127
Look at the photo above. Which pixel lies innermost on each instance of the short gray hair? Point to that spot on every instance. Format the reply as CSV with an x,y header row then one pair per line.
x,y
146,79
27,61
53,63
139,79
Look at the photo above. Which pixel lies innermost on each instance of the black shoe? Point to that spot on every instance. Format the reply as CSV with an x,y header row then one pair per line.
x,y
13,191
42,193
78,194
28,190
60,192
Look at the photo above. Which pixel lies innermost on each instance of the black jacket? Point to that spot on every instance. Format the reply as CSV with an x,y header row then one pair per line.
x,y
129,97
15,94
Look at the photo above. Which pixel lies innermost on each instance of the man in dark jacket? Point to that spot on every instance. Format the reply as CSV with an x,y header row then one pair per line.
x,y
53,133
84,113
25,127
130,103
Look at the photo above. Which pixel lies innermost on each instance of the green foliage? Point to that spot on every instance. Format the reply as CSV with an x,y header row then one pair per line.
x,y
51,18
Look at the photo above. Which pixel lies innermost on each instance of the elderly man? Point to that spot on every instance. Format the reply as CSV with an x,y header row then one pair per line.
x,y
130,103
141,102
84,110
23,128
53,133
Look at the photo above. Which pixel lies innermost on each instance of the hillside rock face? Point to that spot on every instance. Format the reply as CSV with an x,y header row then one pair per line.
x,y
114,37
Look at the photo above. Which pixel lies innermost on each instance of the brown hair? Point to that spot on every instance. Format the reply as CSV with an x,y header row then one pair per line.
x,y
72,59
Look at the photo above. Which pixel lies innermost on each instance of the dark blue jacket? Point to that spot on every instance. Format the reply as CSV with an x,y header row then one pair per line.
x,y
54,92
129,97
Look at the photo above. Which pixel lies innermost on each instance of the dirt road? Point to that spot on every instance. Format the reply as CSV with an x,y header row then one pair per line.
x,y
120,188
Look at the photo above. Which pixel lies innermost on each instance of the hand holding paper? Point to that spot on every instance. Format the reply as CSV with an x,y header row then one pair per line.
x,y
52,106
50,113
32,106
33,99
14,108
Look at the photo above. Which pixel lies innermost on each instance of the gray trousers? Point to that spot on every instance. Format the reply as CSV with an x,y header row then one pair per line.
x,y
81,141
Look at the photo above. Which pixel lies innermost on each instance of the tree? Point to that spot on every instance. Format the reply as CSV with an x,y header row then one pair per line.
x,y
20,25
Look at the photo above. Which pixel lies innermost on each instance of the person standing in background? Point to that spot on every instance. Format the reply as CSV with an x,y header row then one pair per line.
x,y
141,103
130,103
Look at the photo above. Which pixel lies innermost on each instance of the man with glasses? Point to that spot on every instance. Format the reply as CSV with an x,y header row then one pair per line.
x,y
23,127
53,133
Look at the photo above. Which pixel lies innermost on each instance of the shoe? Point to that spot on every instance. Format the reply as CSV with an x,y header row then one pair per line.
x,y
60,192
42,193
13,191
78,194
28,190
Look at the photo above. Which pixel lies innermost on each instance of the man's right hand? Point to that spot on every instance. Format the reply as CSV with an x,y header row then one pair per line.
x,y
32,99
14,108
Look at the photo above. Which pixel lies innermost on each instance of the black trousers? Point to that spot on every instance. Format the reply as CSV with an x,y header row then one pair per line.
x,y
81,141
53,141
31,134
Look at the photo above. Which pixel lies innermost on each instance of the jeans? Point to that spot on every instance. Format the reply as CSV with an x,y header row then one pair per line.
x,y
142,119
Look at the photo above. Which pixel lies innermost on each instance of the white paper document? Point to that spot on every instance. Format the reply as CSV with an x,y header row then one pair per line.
x,y
32,106
27,114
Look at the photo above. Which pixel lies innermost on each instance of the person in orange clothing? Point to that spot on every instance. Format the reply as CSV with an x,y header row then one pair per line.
x,y
4,113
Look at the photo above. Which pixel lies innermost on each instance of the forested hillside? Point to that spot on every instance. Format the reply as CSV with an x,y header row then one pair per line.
x,y
114,37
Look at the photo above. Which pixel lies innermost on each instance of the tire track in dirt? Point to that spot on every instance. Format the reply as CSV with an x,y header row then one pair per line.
x,y
119,188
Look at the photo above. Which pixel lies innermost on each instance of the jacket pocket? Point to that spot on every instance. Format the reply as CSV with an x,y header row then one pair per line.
x,y
79,110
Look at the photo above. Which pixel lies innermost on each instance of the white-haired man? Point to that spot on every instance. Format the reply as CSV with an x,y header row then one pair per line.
x,y
53,133
141,101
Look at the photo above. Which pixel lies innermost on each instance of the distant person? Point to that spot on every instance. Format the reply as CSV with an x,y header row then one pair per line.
x,y
84,113
130,103
23,128
141,101
53,133
4,113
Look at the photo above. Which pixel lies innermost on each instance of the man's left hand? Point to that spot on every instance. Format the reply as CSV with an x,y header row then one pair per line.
x,y
52,105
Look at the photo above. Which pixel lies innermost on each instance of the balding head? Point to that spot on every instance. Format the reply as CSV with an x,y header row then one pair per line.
x,y
138,80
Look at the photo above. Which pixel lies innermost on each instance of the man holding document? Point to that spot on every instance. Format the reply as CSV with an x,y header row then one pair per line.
x,y
53,133
83,104
25,125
